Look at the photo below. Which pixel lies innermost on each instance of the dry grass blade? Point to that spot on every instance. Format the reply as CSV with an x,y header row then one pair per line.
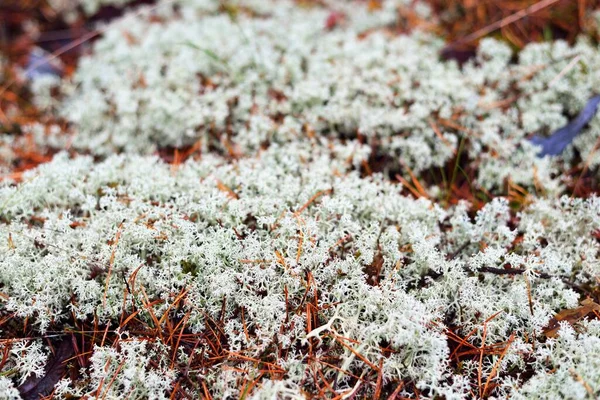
x,y
111,262
312,199
509,20
527,21
496,365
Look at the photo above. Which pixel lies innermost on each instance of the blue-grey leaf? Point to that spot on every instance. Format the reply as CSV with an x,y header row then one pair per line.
x,y
39,64
560,139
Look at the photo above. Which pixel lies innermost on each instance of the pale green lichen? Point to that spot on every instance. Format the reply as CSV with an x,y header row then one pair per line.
x,y
275,219
295,211
275,74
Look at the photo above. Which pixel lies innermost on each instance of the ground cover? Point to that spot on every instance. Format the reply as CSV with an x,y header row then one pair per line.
x,y
301,200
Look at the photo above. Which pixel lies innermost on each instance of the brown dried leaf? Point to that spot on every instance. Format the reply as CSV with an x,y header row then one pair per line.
x,y
571,315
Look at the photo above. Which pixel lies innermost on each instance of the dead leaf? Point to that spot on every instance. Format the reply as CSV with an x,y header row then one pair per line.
x,y
571,315
34,386
373,270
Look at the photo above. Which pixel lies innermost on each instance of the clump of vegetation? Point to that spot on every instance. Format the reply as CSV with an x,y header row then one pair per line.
x,y
290,262
235,84
273,199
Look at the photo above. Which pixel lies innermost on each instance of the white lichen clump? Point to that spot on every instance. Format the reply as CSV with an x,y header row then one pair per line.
x,y
273,72
276,263
259,242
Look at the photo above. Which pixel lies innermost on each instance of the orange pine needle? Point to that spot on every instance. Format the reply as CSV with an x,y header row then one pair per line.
x,y
111,262
312,199
224,188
